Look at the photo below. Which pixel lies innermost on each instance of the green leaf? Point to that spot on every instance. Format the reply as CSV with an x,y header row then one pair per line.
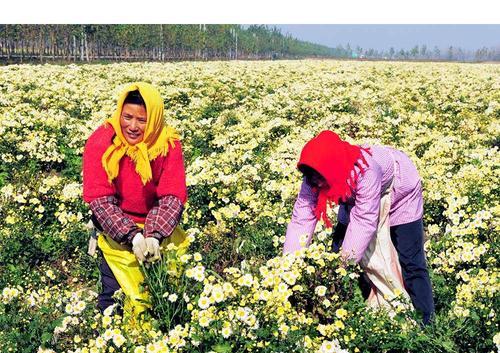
x,y
46,337
222,348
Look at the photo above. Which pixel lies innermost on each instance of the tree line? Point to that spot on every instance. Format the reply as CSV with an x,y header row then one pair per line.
x,y
164,42
423,52
85,43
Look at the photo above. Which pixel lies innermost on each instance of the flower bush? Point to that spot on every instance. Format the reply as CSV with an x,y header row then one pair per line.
x,y
243,126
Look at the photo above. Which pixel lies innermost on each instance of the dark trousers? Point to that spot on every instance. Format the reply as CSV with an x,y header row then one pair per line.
x,y
408,239
109,286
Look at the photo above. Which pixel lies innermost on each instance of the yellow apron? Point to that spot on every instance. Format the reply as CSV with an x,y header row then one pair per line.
x,y
127,270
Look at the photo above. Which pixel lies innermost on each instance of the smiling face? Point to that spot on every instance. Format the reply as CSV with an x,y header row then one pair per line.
x,y
133,122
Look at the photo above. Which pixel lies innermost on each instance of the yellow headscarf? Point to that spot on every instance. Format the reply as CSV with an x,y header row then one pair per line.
x,y
157,135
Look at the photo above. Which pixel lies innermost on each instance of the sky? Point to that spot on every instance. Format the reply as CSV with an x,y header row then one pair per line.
x,y
255,11
479,19
383,37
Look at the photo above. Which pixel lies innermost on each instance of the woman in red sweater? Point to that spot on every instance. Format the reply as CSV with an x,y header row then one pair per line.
x,y
133,181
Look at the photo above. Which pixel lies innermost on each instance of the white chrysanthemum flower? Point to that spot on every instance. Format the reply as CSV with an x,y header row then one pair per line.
x,y
118,340
204,302
172,298
320,291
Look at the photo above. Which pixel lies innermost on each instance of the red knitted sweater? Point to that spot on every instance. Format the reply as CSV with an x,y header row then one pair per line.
x,y
135,199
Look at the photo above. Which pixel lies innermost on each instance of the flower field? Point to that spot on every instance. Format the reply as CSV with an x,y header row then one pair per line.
x,y
243,125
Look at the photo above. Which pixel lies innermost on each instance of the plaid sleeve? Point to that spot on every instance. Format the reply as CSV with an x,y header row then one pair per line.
x,y
112,219
162,219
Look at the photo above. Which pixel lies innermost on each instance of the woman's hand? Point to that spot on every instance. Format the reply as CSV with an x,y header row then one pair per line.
x,y
153,246
140,247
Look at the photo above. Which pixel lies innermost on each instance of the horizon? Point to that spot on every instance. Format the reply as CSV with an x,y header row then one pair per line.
x,y
398,36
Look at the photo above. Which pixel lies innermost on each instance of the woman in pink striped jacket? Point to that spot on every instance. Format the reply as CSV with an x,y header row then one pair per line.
x,y
355,177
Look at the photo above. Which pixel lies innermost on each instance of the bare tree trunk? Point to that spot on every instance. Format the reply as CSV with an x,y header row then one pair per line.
x,y
68,48
74,48
53,46
40,48
86,47
162,52
46,48
2,42
81,48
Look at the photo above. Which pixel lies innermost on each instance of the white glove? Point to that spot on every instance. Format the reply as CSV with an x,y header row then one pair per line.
x,y
153,248
140,247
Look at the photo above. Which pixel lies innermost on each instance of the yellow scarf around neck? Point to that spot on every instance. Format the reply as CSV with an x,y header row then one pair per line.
x,y
156,141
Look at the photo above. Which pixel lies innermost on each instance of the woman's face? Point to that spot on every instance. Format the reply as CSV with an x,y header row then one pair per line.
x,y
315,180
133,122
